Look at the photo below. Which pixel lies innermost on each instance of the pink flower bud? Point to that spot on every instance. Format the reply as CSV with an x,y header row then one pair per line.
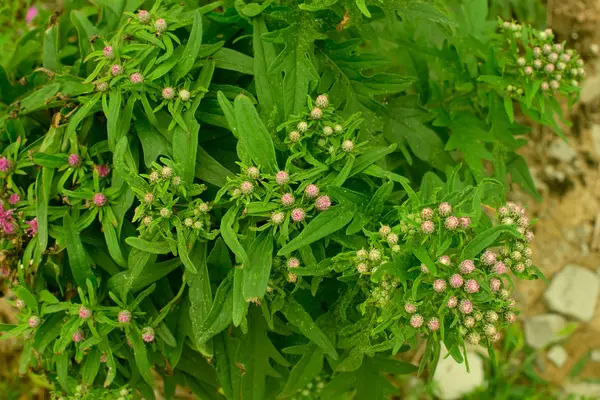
x,y
77,336
4,164
433,324
136,78
444,260
529,236
558,47
143,16
14,198
427,227
469,322
124,317
374,255
116,70
528,70
424,269
488,258
34,321
148,334
518,268
322,101
302,126
253,173
416,321
282,177
20,304
553,57
537,64
451,223
287,199
100,199
489,330
392,238
521,61
499,268
452,302
293,262
347,146
294,136
291,277
537,51
277,217
495,284
103,170
439,285
32,12
160,25
410,308
511,303
444,209
74,160
316,113
471,286
109,52
510,317
298,215
84,312
549,68
168,93
362,268
547,49
103,358
465,222
246,187
322,203
456,281
465,306
545,86
311,191
426,213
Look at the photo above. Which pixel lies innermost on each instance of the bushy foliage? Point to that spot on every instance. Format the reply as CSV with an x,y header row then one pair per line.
x,y
267,200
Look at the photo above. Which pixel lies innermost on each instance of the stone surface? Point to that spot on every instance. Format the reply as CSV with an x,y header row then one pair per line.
x,y
562,151
573,292
590,90
591,390
595,357
544,329
452,379
558,355
595,131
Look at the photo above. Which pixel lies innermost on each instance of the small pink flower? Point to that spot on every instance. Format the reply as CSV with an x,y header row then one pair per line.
x,y
74,160
451,223
294,136
547,49
32,12
491,316
362,268
298,215
444,260
495,284
246,187
499,268
148,334
469,322
116,70
102,86
316,113
253,173
553,57
511,303
467,266
465,306
497,336
168,93
474,338
136,78
392,238
549,68
100,199
465,222
489,330
103,170
77,336
287,199
426,213
452,302
444,209
322,203
293,262
311,191
322,101
34,321
471,286
84,313
439,285
488,258
410,308
124,316
529,236
416,321
537,51
109,52
433,324
427,227
518,268
4,164
277,217
160,25
143,16
33,227
424,269
14,198
282,177
456,281
510,317
528,70
503,212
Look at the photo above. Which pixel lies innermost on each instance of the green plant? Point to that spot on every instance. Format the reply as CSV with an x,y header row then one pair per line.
x,y
245,197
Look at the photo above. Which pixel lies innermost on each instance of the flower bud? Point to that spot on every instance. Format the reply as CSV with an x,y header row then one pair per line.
x,y
451,223
495,284
34,321
188,222
444,209
528,70
374,255
537,51
424,269
465,306
103,170
287,199
521,61
362,268
547,49
489,330
416,321
469,322
136,78
84,312
426,213
561,66
108,52
471,286
474,338
362,254
327,131
510,317
311,191
322,203
153,177
74,160
168,93
537,64
347,146
302,126
100,199
277,217
291,277
282,177
456,281
322,101
338,128
433,324
439,285
316,113
298,215
545,86
147,220
143,16
102,87
410,308
124,317
444,260
549,68
553,57
392,239
184,94
148,334
488,258
20,304
452,302
499,268
253,173
294,136
427,227
198,225
491,316
165,212
160,25
293,262
77,336
246,187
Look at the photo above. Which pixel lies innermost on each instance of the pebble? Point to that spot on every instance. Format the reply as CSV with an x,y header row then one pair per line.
x,y
587,389
573,292
562,151
452,379
544,329
595,356
558,355
595,131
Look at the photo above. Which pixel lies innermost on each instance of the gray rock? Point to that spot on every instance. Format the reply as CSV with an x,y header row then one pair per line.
x,y
595,356
544,329
558,355
573,292
596,138
590,90
452,379
588,389
561,151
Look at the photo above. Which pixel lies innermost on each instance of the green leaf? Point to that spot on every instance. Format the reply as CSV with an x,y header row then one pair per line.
x,y
230,236
519,172
240,305
43,188
126,168
210,170
182,248
140,354
323,225
112,241
258,270
200,291
48,160
316,5
79,115
232,60
192,48
78,259
485,239
268,86
298,317
153,247
254,135
50,49
91,366
309,366
363,8
220,315
85,31
423,256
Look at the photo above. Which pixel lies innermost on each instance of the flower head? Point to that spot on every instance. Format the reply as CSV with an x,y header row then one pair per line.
x,y
136,78
467,266
34,321
427,227
439,285
444,260
168,93
488,258
416,321
444,209
14,198
491,316
374,255
148,334
465,222
456,281
410,308
77,336
165,212
20,304
160,25
451,223
116,70
322,203
433,324
84,312
298,215
184,94
362,268
287,199
474,338
316,113
293,262
109,52
426,213
291,277
143,16
103,170
246,187
510,317
322,101
32,230
253,173
4,164
495,284
282,177
469,322
392,239
327,131
311,191
338,128
302,126
499,268
74,160
32,12
452,302
465,306
277,217
424,269
471,286
100,199
347,146
294,136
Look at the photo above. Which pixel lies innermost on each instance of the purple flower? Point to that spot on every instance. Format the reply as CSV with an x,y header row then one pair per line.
x,y
282,177
311,191
103,170
444,209
471,286
14,198
322,101
4,164
467,266
465,222
287,199
246,187
427,213
416,321
124,317
6,220
160,25
33,227
77,336
488,258
109,52
439,285
465,306
298,215
74,160
452,302
293,263
433,324
410,308
456,281
322,203
451,223
136,78
144,16
148,334
32,12
116,69
168,93
100,199
84,313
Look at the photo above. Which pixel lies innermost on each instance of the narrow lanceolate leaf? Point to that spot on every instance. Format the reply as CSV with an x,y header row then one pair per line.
x,y
220,314
230,236
153,247
258,270
43,187
114,114
298,317
254,134
200,291
112,241
423,256
140,354
485,239
80,114
78,259
323,225
182,248
185,147
125,166
309,366
50,49
268,86
191,49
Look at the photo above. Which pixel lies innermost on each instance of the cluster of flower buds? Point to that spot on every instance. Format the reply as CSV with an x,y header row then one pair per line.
x,y
431,220
538,58
516,253
312,390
